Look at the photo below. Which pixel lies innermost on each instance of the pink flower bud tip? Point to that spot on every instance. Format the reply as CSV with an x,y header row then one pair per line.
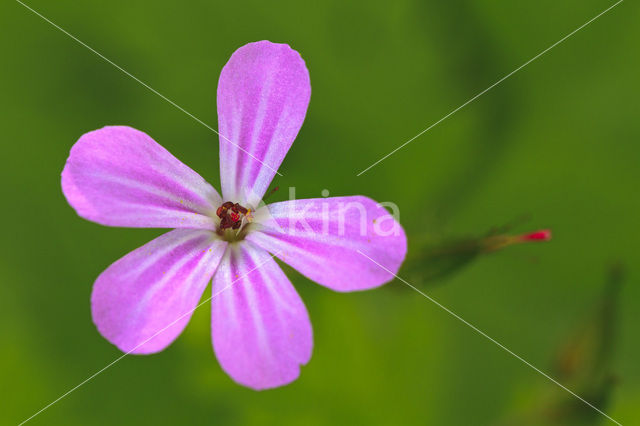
x,y
542,235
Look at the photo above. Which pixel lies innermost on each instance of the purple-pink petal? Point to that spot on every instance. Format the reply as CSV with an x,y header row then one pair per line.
x,y
119,176
344,243
142,302
260,326
263,94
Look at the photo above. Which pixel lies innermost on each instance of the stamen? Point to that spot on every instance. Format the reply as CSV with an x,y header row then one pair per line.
x,y
232,216
270,193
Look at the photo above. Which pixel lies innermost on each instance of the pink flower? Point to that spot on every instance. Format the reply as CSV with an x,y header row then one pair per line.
x,y
119,176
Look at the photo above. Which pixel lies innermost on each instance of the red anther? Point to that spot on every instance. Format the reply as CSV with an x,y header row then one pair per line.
x,y
220,212
542,235
231,215
225,222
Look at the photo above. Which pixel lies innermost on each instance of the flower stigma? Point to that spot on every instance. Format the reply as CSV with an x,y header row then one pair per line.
x,y
233,221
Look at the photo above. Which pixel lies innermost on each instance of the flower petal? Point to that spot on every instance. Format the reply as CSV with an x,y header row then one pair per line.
x,y
260,327
142,302
119,176
263,94
334,241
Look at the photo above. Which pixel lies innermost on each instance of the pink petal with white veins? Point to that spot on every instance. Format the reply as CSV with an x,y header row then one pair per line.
x,y
260,327
263,94
344,243
119,176
142,302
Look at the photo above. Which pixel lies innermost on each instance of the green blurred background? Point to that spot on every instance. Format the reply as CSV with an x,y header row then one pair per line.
x,y
558,141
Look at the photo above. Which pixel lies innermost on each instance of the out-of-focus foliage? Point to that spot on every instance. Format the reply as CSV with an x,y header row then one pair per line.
x,y
431,261
583,363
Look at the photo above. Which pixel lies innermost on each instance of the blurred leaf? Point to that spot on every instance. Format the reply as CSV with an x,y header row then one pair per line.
x,y
431,260
587,352
583,364
436,260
